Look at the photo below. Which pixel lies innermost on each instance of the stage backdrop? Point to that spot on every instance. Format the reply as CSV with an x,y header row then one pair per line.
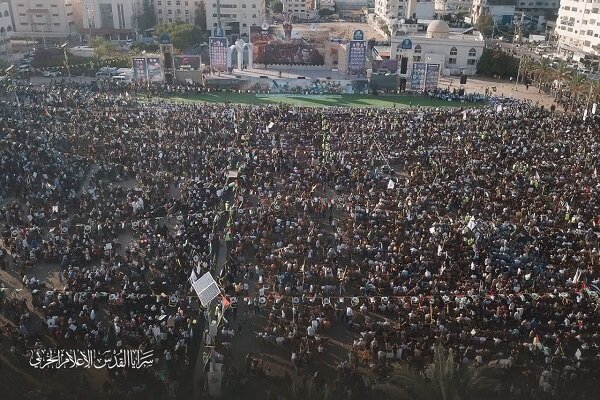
x,y
281,45
139,69
192,61
155,73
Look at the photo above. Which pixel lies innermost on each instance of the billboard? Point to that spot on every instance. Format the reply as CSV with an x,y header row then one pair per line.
x,y
154,70
218,53
432,76
276,45
187,62
357,52
139,69
417,78
390,66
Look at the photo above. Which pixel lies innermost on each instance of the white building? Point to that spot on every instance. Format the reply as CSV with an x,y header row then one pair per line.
x,y
110,19
299,9
456,52
445,7
391,12
235,15
175,10
578,27
42,18
501,11
6,30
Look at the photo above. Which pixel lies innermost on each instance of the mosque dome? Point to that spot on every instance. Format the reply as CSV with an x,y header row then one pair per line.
x,y
438,29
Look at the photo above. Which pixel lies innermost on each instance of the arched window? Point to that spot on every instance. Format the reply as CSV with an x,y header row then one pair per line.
x,y
453,51
472,53
9,29
5,13
417,49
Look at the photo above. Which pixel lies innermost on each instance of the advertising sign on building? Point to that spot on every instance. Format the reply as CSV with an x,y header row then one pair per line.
x,y
358,35
357,52
218,53
406,44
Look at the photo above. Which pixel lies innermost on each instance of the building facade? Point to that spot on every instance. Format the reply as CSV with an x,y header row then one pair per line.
x,y
299,9
43,18
445,7
6,30
236,16
455,52
578,27
114,20
535,14
392,12
501,11
175,10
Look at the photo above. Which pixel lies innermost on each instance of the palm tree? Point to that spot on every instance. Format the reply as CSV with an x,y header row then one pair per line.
x,y
543,72
527,66
445,379
562,72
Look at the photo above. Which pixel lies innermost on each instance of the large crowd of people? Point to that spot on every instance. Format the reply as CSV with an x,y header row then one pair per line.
x,y
475,228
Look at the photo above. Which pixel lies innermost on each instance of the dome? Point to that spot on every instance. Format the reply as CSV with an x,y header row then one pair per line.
x,y
438,29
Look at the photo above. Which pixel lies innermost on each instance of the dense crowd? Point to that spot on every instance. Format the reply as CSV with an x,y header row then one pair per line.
x,y
475,228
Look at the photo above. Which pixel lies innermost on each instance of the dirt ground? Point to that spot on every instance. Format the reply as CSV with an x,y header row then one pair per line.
x,y
503,88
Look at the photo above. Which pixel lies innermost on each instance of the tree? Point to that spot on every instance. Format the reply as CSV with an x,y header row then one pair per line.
x,y
495,62
543,72
148,17
385,28
200,17
277,7
527,65
183,36
485,25
325,12
103,48
562,72
446,379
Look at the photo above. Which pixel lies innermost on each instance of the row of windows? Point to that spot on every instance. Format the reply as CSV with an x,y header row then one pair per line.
x,y
230,15
178,12
453,51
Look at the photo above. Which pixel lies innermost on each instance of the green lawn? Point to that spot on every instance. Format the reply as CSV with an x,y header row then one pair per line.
x,y
346,100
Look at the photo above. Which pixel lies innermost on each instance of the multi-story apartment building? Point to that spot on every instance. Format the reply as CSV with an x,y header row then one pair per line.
x,y
536,13
43,18
393,11
578,27
501,11
299,9
110,19
175,10
235,16
444,7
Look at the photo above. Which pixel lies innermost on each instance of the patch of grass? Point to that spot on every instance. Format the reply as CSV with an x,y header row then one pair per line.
x,y
345,100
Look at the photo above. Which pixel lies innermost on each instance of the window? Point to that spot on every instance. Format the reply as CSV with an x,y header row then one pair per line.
x,y
187,12
169,2
160,20
416,58
170,19
452,61
254,6
453,51
159,3
169,12
472,53
471,61
243,25
253,15
178,12
417,49
159,11
215,16
178,3
243,6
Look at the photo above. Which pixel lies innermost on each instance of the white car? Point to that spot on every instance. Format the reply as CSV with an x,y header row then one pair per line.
x,y
50,74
